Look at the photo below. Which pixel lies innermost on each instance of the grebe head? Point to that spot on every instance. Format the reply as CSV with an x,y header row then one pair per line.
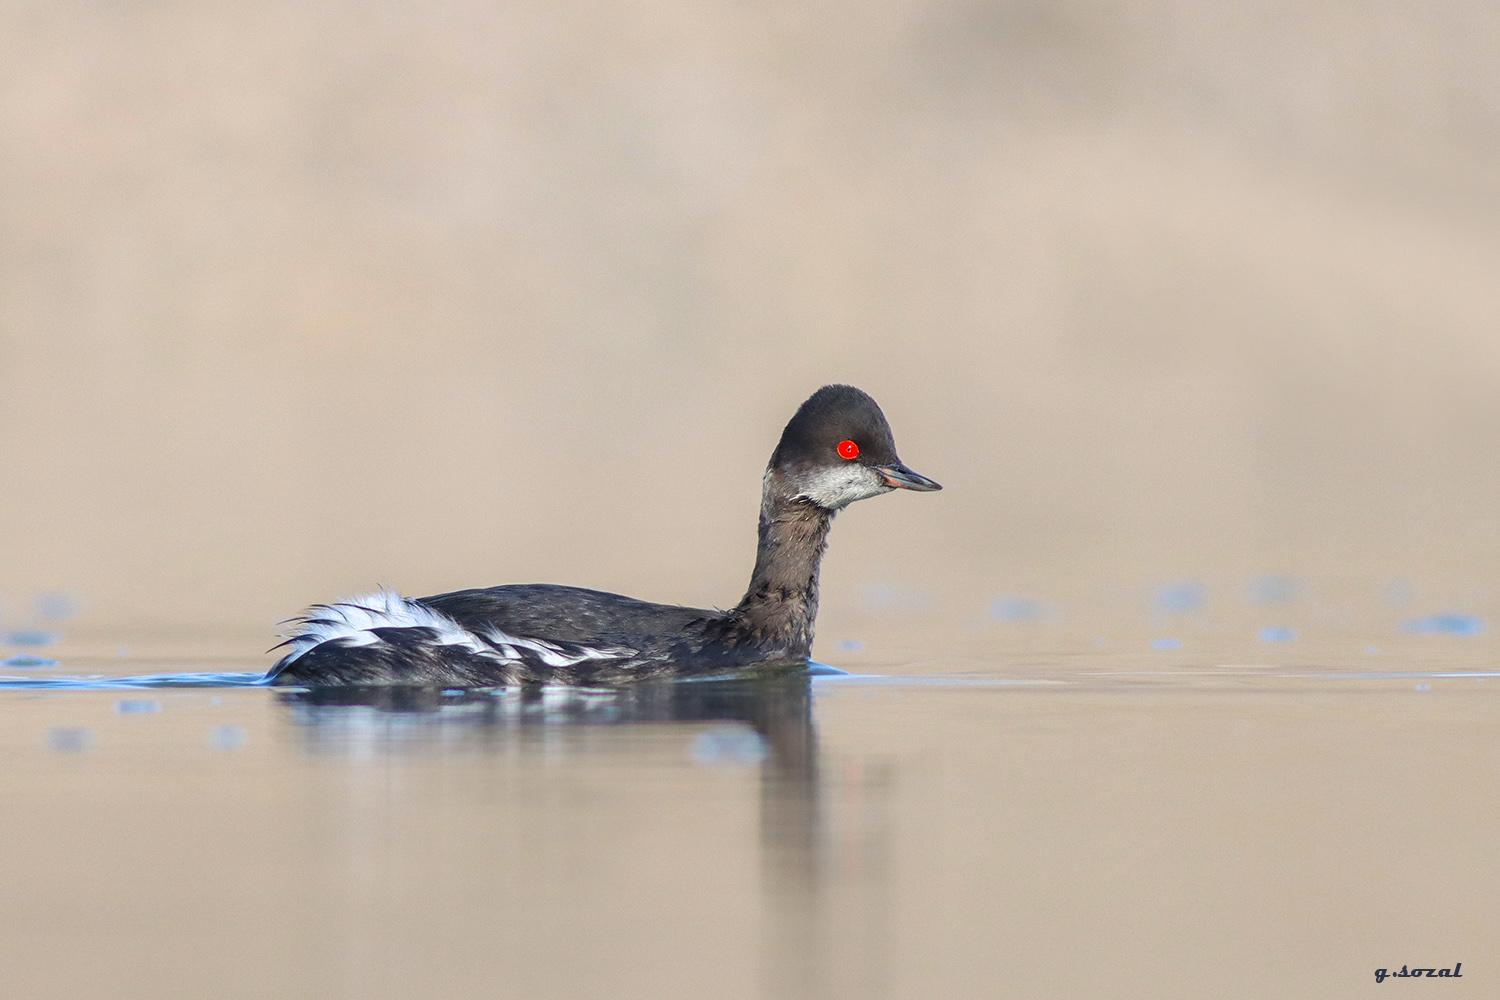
x,y
837,449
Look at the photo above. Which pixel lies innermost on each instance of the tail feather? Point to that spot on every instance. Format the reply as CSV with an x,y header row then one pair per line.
x,y
383,637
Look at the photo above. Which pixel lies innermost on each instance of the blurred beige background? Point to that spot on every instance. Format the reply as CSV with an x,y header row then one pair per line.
x,y
300,298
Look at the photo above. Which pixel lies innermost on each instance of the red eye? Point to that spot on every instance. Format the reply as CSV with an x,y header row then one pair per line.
x,y
848,449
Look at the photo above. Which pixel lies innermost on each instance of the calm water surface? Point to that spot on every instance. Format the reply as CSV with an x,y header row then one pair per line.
x,y
1124,823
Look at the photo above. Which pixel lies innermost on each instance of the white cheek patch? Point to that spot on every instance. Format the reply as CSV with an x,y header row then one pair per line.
x,y
837,487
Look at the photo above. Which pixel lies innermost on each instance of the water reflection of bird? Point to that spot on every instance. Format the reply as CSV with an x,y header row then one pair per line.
x,y
361,721
836,449
377,717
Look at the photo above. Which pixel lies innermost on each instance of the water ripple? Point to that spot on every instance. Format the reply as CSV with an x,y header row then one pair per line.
x,y
99,682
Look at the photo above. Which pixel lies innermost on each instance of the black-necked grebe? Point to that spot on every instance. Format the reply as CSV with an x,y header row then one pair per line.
x,y
836,449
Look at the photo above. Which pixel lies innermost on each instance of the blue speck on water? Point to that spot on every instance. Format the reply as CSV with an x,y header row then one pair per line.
x,y
1166,643
887,597
1372,649
851,645
1178,598
28,661
1275,589
31,637
1423,687
1277,633
226,737
1021,609
728,745
136,706
1399,593
1449,623
70,739
58,605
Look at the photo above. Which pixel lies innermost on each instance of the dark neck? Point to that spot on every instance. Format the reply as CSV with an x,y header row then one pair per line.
x,y
778,609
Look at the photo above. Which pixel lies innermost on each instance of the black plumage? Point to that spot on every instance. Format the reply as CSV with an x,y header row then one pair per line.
x,y
836,449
